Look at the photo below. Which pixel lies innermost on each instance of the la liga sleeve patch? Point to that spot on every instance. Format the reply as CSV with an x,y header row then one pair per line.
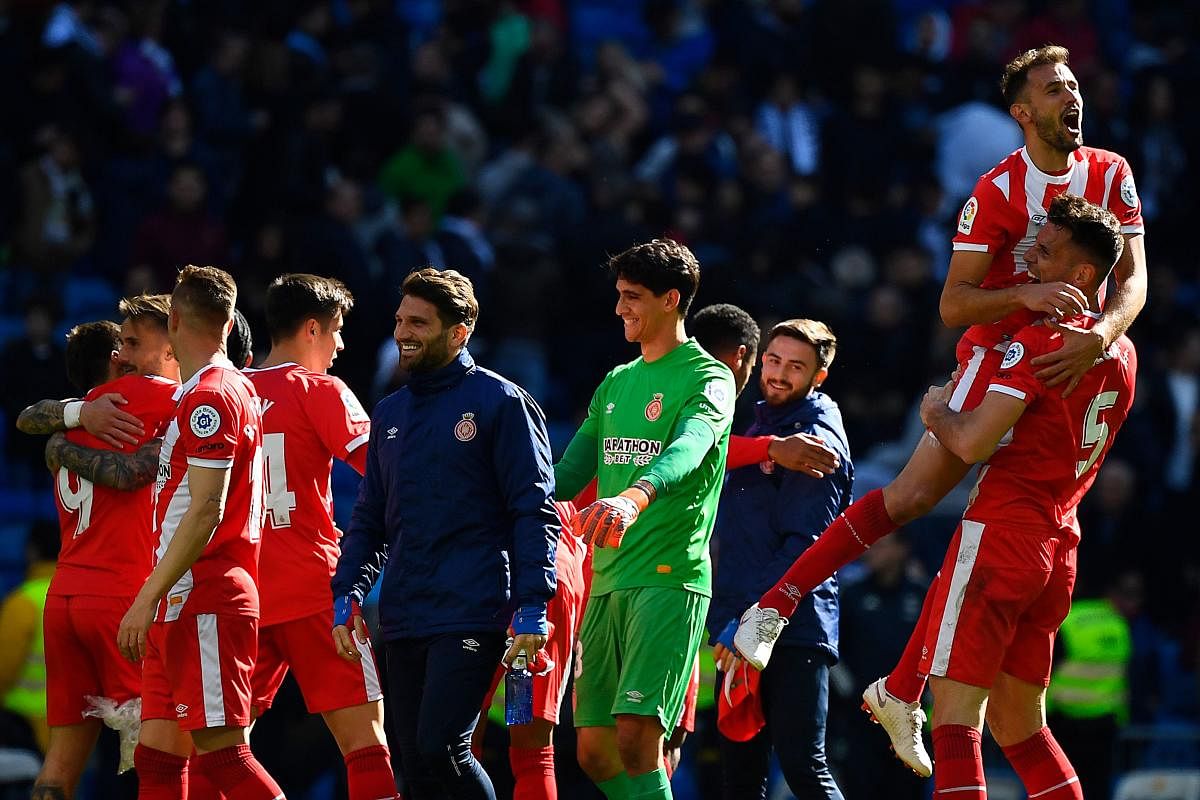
x,y
966,220
1013,355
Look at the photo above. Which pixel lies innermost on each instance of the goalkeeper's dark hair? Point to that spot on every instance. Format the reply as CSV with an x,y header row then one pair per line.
x,y
660,265
449,290
90,348
1094,230
297,296
239,347
812,332
723,327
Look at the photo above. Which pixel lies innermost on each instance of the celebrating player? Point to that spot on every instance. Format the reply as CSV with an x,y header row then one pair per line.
x,y
308,419
655,437
989,288
1005,586
195,619
458,499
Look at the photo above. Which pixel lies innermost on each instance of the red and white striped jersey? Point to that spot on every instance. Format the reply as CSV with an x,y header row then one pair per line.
x,y
1008,208
106,533
308,419
218,425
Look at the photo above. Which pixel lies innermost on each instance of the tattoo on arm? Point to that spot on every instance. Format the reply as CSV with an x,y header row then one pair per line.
x,y
43,417
123,471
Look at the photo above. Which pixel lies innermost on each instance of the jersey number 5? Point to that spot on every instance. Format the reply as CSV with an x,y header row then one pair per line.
x,y
77,501
1095,430
280,502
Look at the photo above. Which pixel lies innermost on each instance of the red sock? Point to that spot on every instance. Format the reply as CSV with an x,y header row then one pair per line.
x,y
238,774
905,680
161,775
199,786
1044,768
534,771
848,537
369,774
959,758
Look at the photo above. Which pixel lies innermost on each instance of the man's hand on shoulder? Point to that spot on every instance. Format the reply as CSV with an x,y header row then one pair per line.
x,y
1057,299
1081,349
804,453
107,422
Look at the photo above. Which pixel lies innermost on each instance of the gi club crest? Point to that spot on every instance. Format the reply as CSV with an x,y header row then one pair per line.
x,y
465,429
654,407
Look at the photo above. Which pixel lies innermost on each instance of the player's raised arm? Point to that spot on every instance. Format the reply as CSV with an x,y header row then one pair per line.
x,y
117,470
207,488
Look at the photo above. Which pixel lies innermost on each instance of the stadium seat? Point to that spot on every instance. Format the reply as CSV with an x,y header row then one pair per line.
x,y
1159,784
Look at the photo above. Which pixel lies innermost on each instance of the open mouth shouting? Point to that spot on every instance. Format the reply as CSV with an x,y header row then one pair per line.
x,y
1072,120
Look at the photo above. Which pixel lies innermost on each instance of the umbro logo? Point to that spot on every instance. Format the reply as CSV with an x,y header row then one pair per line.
x,y
470,645
181,710
634,696
609,408
793,592
391,432
266,404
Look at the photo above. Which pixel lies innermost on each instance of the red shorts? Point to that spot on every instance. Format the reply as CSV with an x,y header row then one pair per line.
x,y
197,670
977,365
1000,598
326,680
687,717
82,656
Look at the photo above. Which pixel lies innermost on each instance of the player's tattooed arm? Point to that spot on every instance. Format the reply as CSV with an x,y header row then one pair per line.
x,y
42,418
123,471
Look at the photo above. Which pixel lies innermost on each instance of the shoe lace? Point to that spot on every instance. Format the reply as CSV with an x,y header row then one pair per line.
x,y
771,625
917,718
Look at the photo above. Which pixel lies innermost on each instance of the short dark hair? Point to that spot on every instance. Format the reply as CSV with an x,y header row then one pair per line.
x,y
208,293
449,290
239,347
815,333
1093,229
723,327
89,352
152,308
660,265
1016,72
297,296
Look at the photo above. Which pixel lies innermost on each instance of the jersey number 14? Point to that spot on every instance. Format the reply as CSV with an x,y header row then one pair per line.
x,y
280,502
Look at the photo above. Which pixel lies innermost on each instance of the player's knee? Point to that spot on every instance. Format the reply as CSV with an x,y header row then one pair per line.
x,y
596,762
909,501
639,748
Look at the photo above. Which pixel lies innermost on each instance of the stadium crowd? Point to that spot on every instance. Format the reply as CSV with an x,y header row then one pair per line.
x,y
813,154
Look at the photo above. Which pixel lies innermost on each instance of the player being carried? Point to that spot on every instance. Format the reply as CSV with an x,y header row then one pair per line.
x,y
655,437
106,517
989,288
309,418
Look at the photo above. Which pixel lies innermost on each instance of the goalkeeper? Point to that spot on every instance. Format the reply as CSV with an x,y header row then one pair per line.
x,y
655,438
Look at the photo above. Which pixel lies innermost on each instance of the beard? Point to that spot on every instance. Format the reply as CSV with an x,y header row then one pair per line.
x,y
433,354
1051,131
773,397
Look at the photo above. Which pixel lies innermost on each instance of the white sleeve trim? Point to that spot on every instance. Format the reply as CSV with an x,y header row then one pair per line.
x,y
1133,229
210,463
357,442
1008,390
974,248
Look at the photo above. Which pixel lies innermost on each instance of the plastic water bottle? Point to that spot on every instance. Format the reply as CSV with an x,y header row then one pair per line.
x,y
518,691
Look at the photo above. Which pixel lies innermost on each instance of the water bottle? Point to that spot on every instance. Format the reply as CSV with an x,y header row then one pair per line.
x,y
518,692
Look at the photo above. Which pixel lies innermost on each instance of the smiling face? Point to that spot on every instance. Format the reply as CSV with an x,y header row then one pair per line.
x,y
425,343
643,314
1053,257
1055,106
790,370
145,349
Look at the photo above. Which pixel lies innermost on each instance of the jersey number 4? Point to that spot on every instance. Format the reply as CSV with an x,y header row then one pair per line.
x,y
280,502
1095,430
76,501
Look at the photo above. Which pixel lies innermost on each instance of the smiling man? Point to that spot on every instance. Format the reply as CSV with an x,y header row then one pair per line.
x,y
655,437
458,500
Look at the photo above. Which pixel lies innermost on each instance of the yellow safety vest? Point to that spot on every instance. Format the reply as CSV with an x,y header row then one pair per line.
x,y
1090,682
27,697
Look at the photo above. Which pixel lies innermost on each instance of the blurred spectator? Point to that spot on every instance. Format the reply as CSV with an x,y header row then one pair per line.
x,y
38,359
144,71
790,126
22,652
462,241
58,221
1159,155
543,204
425,167
183,232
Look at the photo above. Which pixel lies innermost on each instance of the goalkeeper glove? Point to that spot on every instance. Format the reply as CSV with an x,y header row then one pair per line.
x,y
604,522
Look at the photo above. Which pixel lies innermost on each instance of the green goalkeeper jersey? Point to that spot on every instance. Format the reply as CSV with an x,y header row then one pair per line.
x,y
666,421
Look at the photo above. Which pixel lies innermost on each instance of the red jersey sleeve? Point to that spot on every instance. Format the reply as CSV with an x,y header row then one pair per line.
x,y
1123,200
152,400
1015,377
337,416
981,225
209,428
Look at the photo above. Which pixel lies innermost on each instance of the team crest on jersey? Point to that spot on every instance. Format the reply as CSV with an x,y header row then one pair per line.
x,y
1013,355
966,220
466,429
1129,192
205,421
654,407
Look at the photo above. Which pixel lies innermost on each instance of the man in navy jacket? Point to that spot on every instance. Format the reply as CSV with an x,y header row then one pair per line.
x,y
768,516
457,500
